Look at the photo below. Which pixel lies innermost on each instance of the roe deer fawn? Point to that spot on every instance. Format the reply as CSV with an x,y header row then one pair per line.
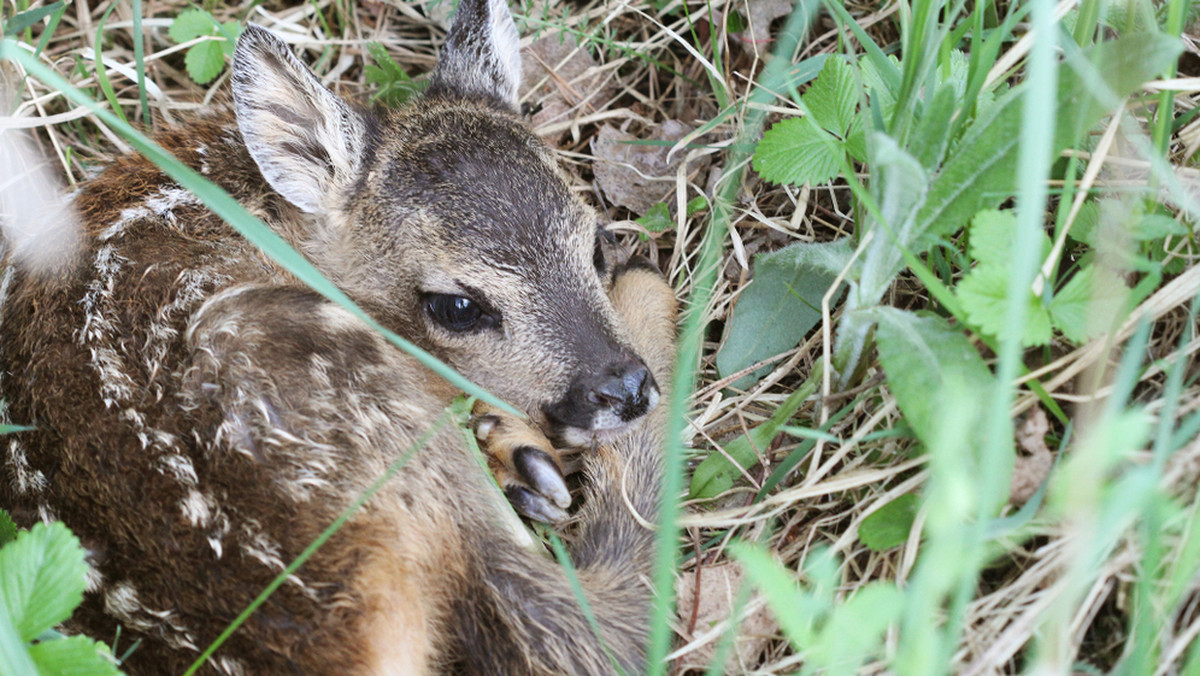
x,y
200,416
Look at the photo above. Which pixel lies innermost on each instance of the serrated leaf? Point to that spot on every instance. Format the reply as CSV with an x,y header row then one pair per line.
x,y
781,304
73,656
833,96
877,86
889,525
921,357
1086,221
1157,226
657,218
394,85
192,24
797,151
231,31
205,61
41,578
1077,315
8,529
386,65
993,234
983,292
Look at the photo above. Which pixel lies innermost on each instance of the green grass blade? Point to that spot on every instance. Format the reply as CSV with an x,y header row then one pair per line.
x,y
101,70
139,61
692,334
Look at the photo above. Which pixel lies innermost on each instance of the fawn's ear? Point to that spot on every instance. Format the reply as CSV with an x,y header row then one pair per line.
x,y
482,54
307,142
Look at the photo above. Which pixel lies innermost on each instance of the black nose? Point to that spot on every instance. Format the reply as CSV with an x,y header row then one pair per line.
x,y
626,389
606,398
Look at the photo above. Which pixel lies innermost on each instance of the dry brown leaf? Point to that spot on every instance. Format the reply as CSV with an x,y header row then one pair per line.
x,y
1033,466
563,79
759,15
718,589
637,176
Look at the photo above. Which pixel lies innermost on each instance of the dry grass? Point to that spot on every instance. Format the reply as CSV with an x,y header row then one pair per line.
x,y
632,76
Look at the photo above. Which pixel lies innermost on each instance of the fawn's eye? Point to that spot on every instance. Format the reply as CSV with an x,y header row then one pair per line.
x,y
458,313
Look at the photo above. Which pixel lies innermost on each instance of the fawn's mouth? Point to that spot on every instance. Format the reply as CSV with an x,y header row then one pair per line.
x,y
597,419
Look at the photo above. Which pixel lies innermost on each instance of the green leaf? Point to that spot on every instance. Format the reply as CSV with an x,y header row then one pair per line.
x,y
890,525
26,19
1086,222
657,218
984,295
192,24
931,139
982,170
1157,226
790,606
922,357
14,656
780,305
993,234
41,578
879,88
797,151
855,630
205,61
833,97
984,289
231,31
1076,314
73,656
8,529
394,86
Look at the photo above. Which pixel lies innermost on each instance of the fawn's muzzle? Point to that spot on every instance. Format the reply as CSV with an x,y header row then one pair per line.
x,y
607,399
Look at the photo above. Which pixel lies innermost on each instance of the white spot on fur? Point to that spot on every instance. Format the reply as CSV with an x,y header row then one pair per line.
x,y
5,284
197,509
122,602
93,579
161,204
178,466
261,548
229,666
25,478
46,514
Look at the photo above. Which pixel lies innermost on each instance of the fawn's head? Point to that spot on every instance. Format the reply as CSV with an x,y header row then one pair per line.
x,y
451,221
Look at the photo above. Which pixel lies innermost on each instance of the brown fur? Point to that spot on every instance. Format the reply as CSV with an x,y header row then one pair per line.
x,y
201,417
